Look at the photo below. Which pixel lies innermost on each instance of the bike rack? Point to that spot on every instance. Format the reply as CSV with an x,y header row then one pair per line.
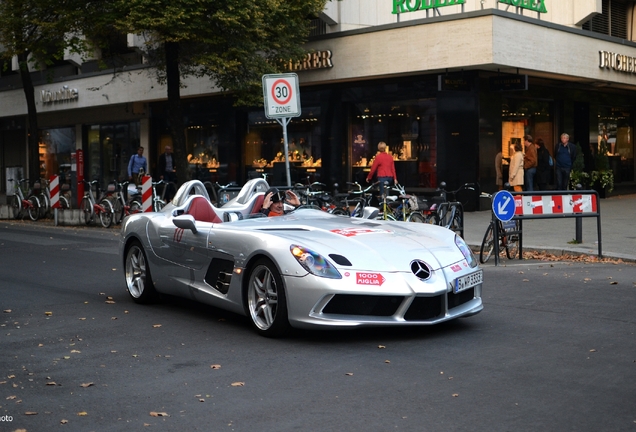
x,y
552,205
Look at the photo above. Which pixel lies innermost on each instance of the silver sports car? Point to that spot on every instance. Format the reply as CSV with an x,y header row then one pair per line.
x,y
306,269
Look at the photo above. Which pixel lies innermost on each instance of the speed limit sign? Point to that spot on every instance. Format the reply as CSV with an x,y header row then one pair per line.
x,y
281,95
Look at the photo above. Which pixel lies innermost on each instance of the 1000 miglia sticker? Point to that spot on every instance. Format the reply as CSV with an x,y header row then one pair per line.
x,y
352,232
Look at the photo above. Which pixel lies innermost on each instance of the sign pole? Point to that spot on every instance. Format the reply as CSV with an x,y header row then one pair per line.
x,y
284,122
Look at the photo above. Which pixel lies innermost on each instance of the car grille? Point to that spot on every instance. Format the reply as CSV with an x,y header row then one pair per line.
x,y
348,304
424,308
460,298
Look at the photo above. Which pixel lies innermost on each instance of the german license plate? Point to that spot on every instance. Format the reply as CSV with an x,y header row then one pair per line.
x,y
468,281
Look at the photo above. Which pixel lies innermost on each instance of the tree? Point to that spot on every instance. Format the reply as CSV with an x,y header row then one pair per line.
x,y
231,43
34,32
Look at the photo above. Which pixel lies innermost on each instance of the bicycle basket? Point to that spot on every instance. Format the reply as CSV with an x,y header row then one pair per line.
x,y
112,187
37,186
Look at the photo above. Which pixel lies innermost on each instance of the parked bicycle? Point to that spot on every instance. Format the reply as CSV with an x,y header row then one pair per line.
x,y
401,207
355,200
91,208
22,205
508,237
450,212
124,199
157,202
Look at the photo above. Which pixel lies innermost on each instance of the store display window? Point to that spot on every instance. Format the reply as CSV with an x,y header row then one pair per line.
x,y
109,148
615,139
408,127
264,150
55,148
202,147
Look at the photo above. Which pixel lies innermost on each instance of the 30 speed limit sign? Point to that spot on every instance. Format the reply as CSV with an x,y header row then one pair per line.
x,y
281,95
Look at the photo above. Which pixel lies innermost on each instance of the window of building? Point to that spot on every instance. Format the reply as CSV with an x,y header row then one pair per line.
x,y
612,21
408,127
109,149
615,137
55,148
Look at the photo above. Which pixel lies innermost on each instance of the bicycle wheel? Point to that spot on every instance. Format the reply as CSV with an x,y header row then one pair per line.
x,y
415,216
106,216
135,207
487,245
158,204
64,204
340,212
431,218
118,212
456,223
86,215
34,208
442,215
512,242
15,205
45,205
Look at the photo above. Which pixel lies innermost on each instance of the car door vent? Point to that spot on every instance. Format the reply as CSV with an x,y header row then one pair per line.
x,y
340,260
219,274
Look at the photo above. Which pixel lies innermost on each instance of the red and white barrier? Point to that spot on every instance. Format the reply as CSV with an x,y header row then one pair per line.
x,y
555,204
146,194
54,188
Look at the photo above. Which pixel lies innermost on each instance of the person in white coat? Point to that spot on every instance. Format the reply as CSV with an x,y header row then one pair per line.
x,y
515,173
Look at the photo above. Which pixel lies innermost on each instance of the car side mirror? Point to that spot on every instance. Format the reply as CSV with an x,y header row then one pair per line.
x,y
185,222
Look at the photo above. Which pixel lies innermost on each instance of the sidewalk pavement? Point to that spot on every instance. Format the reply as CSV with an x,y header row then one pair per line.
x,y
556,236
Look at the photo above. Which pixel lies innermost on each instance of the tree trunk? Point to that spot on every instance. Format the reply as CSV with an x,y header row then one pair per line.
x,y
175,114
33,155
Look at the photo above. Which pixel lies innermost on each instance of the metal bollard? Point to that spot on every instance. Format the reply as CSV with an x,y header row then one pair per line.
x,y
578,224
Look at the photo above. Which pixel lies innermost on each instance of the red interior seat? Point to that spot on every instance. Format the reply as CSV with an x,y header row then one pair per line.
x,y
258,203
201,209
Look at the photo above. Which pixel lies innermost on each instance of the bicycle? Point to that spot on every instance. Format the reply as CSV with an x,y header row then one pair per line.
x,y
400,207
508,236
157,202
21,205
122,204
44,196
90,208
450,214
354,201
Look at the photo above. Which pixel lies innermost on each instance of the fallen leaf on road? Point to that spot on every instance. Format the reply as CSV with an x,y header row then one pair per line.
x,y
30,413
63,421
215,366
86,384
82,413
9,310
349,374
109,302
11,397
82,319
614,283
455,394
592,350
238,384
156,325
48,313
387,361
381,346
75,352
159,414
51,383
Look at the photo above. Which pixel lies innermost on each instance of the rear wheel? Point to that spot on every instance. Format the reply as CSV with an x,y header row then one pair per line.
x,y
340,212
456,224
34,208
431,218
137,274
87,211
15,206
415,216
64,205
118,211
135,207
487,245
106,216
266,301
512,242
45,205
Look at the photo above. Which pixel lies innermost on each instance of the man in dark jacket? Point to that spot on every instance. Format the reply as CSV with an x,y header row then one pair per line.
x,y
564,155
166,171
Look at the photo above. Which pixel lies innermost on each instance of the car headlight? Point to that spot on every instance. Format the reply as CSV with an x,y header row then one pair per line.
x,y
314,263
468,254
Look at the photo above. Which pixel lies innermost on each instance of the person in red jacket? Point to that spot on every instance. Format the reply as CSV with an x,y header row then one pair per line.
x,y
384,166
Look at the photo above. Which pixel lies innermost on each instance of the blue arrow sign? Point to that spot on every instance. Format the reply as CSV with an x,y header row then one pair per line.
x,y
503,206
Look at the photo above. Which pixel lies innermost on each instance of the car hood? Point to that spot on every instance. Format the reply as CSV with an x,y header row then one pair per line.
x,y
367,244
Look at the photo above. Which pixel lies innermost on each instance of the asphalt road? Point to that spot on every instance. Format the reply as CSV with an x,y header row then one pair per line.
x,y
553,350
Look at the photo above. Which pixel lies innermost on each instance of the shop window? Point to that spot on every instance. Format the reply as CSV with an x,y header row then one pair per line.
x,y
520,117
408,127
109,148
615,136
264,147
202,146
55,148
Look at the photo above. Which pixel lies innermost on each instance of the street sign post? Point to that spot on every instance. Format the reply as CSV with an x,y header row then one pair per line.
x,y
503,205
282,102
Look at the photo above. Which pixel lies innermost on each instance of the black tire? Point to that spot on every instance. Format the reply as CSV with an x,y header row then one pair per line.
x,y
106,216
15,207
34,208
340,212
135,207
45,205
86,214
265,299
118,212
64,204
487,245
137,274
456,224
512,242
415,216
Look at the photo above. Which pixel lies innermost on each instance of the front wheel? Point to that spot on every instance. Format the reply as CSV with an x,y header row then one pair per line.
x,y
415,216
87,211
64,204
15,207
340,212
266,301
34,208
512,241
456,224
106,216
135,207
487,245
137,274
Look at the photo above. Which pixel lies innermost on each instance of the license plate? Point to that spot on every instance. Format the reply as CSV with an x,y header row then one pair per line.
x,y
468,281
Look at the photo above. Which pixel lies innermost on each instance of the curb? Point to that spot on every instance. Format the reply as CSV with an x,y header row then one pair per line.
x,y
69,217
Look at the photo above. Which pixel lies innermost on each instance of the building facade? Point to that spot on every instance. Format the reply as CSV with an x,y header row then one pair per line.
x,y
447,84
